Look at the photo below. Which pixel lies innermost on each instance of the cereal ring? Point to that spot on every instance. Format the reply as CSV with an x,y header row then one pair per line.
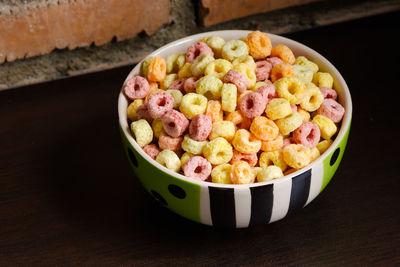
x,y
177,84
308,134
296,156
263,69
303,73
136,87
185,71
289,171
190,85
174,123
142,112
214,110
251,159
303,61
314,154
259,44
238,119
159,104
168,142
177,96
304,114
196,50
238,79
152,150
185,157
324,145
200,127
278,108
287,141
259,84
145,66
193,104
264,129
246,142
269,173
225,129
221,174
290,123
252,105
323,79
332,110
272,145
174,62
248,72
131,110
218,151
248,60
157,70
274,61
157,127
209,86
281,71
215,43
291,88
229,97
218,68
169,159
193,146
284,53
328,93
326,125
267,91
241,173
142,132
168,80
198,168
199,64
234,49
274,158
312,99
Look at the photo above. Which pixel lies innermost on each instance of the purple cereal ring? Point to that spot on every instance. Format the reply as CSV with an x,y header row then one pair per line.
x,y
328,93
174,123
263,69
177,84
136,88
294,108
198,168
267,91
274,61
151,150
287,141
168,142
308,134
159,104
331,109
142,112
200,127
252,105
190,85
238,79
196,50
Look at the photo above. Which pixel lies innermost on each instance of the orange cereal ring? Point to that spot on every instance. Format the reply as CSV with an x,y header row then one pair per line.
x,y
241,173
259,45
289,171
238,119
280,71
157,70
272,145
284,53
251,159
264,129
214,110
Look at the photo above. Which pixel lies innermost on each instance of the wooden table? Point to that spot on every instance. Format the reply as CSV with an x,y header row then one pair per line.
x,y
68,196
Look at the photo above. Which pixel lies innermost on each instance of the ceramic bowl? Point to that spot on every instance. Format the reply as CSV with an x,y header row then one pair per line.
x,y
237,205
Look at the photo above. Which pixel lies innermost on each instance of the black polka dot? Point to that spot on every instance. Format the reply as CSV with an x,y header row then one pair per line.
x,y
335,156
177,191
159,197
132,157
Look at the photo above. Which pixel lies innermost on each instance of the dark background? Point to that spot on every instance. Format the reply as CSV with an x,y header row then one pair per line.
x,y
69,197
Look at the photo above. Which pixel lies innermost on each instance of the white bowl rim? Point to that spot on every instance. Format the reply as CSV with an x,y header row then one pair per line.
x,y
123,121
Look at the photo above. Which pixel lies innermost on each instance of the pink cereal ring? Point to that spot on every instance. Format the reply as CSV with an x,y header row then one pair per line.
x,y
294,108
177,84
251,159
274,61
263,69
267,91
151,150
159,104
190,85
196,50
308,134
200,127
137,87
331,109
252,105
238,79
174,123
168,142
142,112
287,141
198,168
328,93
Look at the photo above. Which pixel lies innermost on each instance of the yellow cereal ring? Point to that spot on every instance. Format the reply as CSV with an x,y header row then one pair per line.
x,y
278,108
303,61
193,146
280,71
157,70
296,156
209,86
304,114
221,174
193,104
142,132
264,129
290,123
174,62
324,145
241,173
200,64
259,44
269,173
291,88
274,158
185,157
145,66
177,95
169,159
314,154
234,49
312,99
272,145
185,71
214,110
326,125
131,110
284,53
323,79
218,151
248,60
238,119
225,129
157,127
248,72
303,73
168,80
246,142
218,68
215,43
229,97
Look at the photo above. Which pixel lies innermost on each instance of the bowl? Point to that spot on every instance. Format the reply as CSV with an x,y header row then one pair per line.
x,y
237,206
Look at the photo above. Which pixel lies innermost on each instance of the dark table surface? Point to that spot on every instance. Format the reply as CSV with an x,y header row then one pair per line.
x,y
69,197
